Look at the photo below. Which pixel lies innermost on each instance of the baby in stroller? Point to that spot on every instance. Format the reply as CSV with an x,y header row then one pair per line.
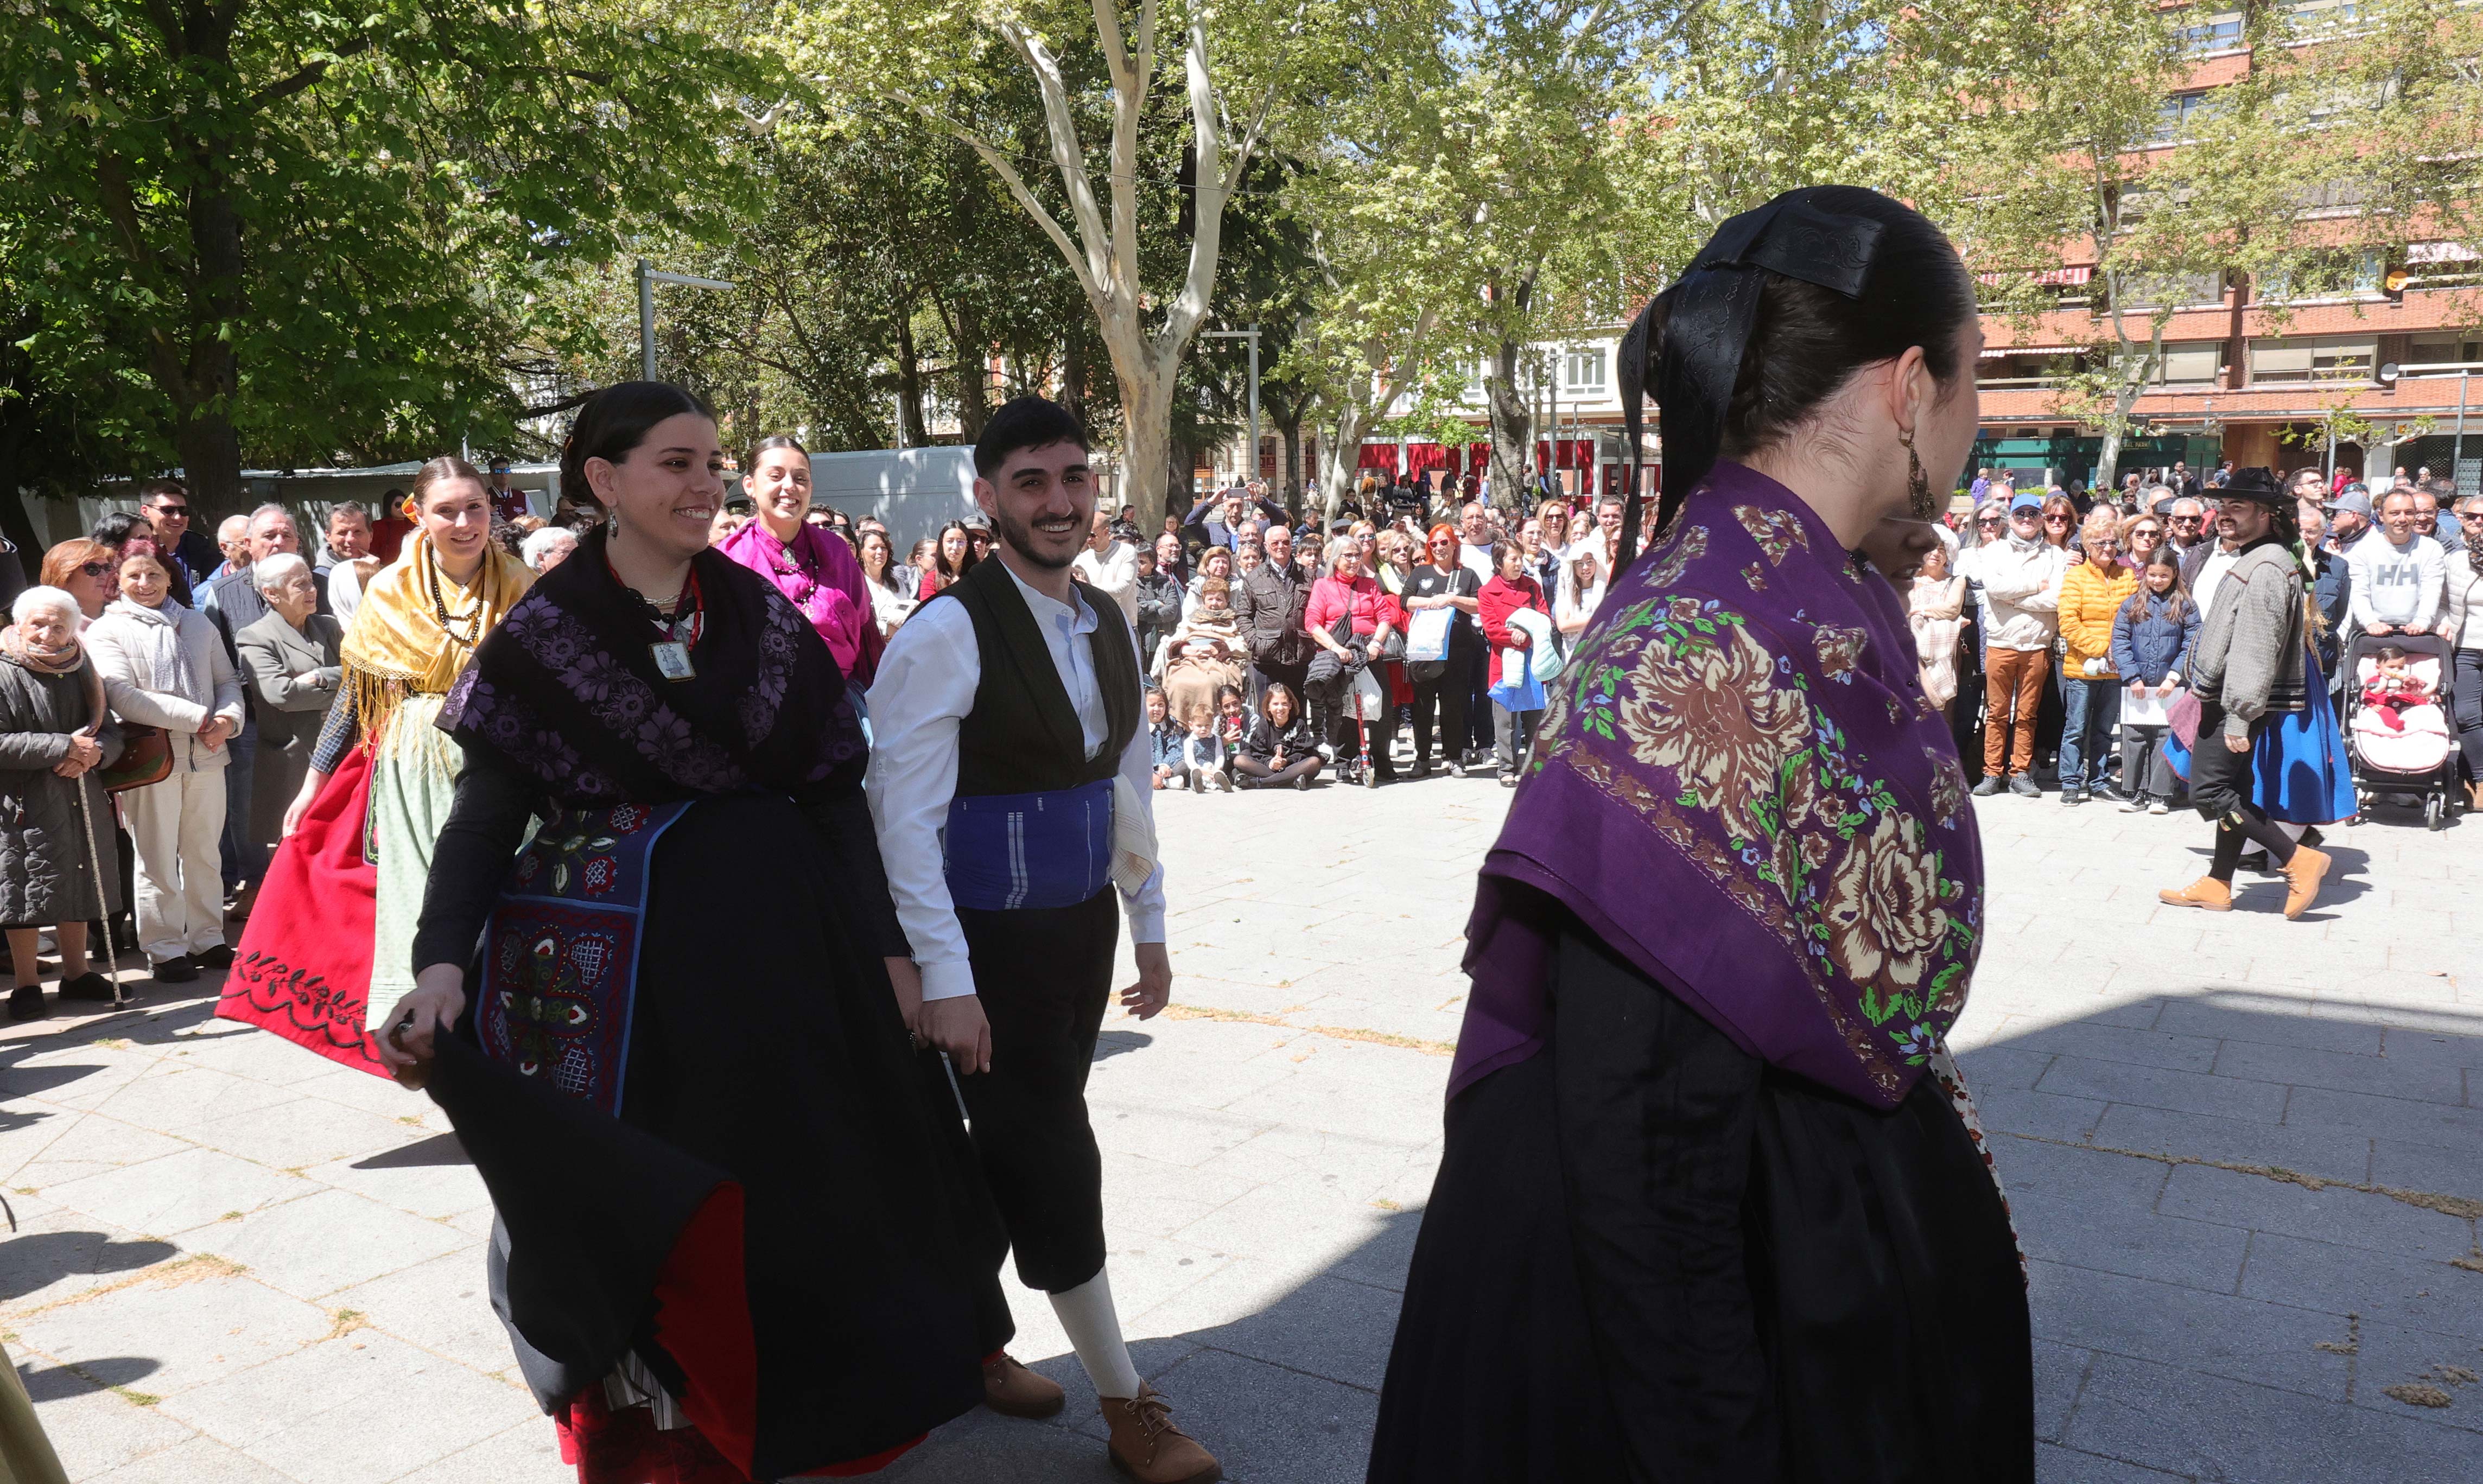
x,y
2394,685
2400,732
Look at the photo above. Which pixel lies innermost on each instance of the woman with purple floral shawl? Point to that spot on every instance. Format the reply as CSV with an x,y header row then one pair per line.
x,y
1713,1204
741,1233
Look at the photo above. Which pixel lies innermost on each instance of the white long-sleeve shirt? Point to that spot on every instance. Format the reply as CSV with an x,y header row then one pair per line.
x,y
1114,571
925,686
2400,586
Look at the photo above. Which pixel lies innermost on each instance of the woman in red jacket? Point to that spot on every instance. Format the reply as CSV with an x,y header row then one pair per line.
x,y
1348,589
1511,588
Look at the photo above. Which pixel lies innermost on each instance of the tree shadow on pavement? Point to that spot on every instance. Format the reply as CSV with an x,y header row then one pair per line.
x,y
31,1262
60,1383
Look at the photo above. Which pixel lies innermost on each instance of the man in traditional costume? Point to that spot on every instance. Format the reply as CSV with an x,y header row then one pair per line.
x,y
2250,677
1011,785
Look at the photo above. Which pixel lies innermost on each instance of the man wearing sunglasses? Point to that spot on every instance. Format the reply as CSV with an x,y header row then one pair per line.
x,y
2021,582
167,506
2186,526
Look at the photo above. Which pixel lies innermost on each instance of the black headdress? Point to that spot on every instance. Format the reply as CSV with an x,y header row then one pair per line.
x,y
1713,307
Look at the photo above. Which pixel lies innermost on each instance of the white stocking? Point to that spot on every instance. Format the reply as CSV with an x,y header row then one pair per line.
x,y
1094,1329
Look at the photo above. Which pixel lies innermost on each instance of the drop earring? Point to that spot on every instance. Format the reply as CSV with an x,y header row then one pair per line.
x,y
1918,485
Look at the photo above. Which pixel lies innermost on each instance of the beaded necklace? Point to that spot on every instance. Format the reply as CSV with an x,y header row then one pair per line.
x,y
473,634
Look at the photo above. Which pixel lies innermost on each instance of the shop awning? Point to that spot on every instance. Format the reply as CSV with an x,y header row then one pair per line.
x,y
2056,277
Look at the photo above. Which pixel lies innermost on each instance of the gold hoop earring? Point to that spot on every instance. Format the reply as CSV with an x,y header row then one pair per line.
x,y
1918,485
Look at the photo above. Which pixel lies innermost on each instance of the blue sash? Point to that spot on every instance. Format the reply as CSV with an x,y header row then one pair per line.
x,y
560,961
1030,851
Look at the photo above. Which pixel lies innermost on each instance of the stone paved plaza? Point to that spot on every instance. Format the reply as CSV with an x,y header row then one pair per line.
x,y
2246,1155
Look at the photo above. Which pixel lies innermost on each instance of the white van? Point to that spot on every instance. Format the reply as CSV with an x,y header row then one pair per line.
x,y
913,492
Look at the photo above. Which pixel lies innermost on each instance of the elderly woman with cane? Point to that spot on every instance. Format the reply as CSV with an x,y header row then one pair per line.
x,y
54,732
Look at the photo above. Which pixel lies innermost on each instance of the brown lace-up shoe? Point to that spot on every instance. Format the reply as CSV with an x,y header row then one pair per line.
x,y
2302,877
1148,1448
2206,891
1013,1391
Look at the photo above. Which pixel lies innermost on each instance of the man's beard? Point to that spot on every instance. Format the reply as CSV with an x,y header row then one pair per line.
x,y
1020,536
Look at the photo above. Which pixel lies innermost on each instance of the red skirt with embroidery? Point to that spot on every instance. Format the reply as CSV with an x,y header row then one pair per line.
x,y
304,966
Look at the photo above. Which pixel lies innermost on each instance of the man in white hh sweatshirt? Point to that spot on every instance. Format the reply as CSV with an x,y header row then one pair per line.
x,y
2397,571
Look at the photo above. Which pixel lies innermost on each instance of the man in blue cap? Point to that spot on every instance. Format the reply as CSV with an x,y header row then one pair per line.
x,y
2021,582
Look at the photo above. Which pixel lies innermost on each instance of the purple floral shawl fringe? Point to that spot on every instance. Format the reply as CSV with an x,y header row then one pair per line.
x,y
1740,786
566,691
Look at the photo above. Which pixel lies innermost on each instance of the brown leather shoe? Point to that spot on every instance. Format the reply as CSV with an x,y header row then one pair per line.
x,y
2302,877
2206,891
1148,1448
1011,1390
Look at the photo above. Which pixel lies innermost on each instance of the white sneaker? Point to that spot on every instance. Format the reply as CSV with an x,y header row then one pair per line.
x,y
2158,807
2133,803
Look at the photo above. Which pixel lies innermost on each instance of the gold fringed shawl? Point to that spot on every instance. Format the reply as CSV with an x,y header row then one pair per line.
x,y
397,645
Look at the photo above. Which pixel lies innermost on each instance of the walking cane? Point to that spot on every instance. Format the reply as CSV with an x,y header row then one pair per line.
x,y
102,892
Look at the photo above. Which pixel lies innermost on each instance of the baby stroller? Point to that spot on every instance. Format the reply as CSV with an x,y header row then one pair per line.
x,y
2405,746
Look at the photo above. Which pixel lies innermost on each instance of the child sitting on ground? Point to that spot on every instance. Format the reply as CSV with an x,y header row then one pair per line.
x,y
1201,755
1232,719
1164,736
1282,746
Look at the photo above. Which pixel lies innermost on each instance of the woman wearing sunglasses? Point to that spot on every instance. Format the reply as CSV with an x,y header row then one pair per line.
x,y
88,571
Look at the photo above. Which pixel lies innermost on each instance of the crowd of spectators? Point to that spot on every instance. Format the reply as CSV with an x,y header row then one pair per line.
x,y
2060,626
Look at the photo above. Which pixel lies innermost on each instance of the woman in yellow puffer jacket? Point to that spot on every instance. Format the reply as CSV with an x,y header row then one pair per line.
x,y
2092,592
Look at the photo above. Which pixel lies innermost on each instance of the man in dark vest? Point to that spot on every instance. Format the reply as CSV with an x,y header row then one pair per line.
x,y
1012,786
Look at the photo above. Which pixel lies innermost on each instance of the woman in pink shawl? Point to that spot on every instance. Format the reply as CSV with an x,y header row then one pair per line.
x,y
807,565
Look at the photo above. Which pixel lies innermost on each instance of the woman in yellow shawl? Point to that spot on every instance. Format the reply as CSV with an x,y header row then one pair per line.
x,y
332,943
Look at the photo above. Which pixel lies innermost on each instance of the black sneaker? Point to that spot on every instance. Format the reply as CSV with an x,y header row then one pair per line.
x,y
2023,786
2103,793
220,955
26,1002
2135,804
1302,782
2073,796
89,986
178,970
1989,785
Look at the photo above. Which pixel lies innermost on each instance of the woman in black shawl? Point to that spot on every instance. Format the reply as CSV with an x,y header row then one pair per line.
x,y
739,1232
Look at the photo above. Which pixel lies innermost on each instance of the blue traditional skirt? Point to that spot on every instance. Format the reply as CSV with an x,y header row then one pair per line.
x,y
2300,771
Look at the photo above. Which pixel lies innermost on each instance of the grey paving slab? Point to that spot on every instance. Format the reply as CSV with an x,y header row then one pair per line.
x,y
2214,1334
2380,1286
2158,1087
2205,1427
2328,1153
1267,1154
2337,1213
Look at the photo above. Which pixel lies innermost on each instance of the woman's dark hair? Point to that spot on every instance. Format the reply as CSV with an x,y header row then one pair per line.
x,y
615,421
769,444
439,471
114,529
1025,422
1805,339
888,574
940,552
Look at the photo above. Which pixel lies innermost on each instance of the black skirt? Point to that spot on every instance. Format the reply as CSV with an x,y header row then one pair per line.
x,y
1647,1256
766,1053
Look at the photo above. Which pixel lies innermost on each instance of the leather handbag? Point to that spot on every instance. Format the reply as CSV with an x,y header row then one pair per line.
x,y
146,757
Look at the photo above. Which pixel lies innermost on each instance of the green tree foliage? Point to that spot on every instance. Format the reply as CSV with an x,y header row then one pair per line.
x,y
297,230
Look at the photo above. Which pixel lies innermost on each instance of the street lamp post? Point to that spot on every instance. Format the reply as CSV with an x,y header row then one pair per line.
x,y
647,278
1250,334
